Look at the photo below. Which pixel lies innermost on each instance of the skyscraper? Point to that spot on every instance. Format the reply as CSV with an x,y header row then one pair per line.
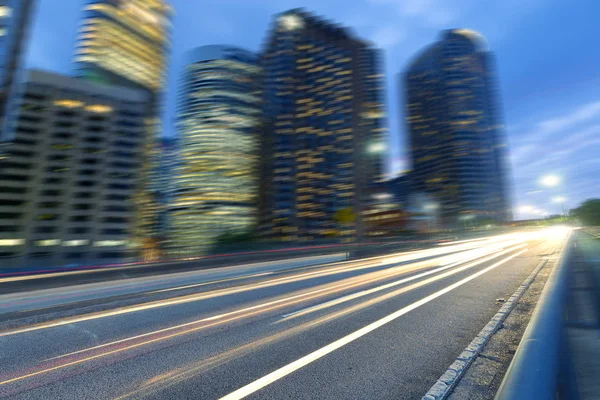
x,y
323,101
165,161
126,43
456,136
15,16
69,167
218,117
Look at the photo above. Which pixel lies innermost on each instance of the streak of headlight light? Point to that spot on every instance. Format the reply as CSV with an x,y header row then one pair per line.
x,y
273,306
396,283
191,298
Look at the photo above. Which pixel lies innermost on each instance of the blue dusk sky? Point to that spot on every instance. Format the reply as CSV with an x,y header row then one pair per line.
x,y
547,54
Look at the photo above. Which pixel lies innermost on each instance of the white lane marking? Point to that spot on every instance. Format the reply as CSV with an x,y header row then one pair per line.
x,y
315,355
245,310
341,268
210,282
353,296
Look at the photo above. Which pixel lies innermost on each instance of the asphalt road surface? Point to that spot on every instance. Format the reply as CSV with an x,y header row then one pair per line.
x,y
378,328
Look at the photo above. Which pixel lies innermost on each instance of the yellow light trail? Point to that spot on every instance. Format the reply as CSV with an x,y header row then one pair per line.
x,y
342,267
229,317
315,355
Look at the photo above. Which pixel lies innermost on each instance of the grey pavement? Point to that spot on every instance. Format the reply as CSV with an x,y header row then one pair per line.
x,y
384,328
584,325
62,295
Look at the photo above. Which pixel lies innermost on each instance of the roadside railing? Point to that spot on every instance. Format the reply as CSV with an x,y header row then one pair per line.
x,y
542,367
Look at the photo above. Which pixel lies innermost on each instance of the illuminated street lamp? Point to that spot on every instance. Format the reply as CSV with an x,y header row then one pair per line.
x,y
550,180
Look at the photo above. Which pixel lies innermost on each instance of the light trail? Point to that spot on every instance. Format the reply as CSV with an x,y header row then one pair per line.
x,y
399,282
190,327
343,267
315,355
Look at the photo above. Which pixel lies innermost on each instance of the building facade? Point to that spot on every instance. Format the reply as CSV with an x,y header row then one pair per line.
x,y
15,17
127,43
124,43
165,161
456,137
218,118
325,133
69,166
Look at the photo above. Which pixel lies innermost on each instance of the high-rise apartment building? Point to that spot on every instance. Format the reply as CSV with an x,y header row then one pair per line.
x,y
15,16
325,131
126,43
218,117
456,136
69,166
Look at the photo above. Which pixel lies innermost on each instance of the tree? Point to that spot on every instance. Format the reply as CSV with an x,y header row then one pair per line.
x,y
588,212
344,216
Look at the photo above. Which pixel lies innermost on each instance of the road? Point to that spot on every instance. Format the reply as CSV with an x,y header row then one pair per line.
x,y
378,328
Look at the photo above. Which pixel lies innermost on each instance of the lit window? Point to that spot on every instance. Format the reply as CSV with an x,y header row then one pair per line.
x,y
47,242
5,11
98,108
73,243
68,103
12,242
110,243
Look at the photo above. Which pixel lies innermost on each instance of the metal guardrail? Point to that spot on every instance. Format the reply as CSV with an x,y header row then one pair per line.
x,y
541,368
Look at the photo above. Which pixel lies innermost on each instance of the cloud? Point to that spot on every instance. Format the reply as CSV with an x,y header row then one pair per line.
x,y
551,132
582,114
566,145
434,13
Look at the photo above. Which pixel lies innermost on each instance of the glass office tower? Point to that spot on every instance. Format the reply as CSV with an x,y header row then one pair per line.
x,y
456,136
217,120
126,43
323,102
15,16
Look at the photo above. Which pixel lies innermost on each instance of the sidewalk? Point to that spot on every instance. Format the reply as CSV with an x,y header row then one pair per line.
x,y
583,311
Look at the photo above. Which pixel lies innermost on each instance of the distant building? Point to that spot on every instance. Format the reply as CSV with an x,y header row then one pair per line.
x,y
165,161
325,130
127,43
15,17
69,168
168,151
218,118
400,187
457,142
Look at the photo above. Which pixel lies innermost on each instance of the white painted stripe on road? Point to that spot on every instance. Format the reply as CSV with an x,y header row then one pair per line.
x,y
309,358
363,293
210,282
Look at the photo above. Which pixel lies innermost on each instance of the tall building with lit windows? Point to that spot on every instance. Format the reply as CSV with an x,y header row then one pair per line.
x,y
127,43
69,170
218,118
326,133
15,16
124,43
456,135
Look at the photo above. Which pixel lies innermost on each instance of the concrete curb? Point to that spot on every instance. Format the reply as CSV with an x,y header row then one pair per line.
x,y
444,385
